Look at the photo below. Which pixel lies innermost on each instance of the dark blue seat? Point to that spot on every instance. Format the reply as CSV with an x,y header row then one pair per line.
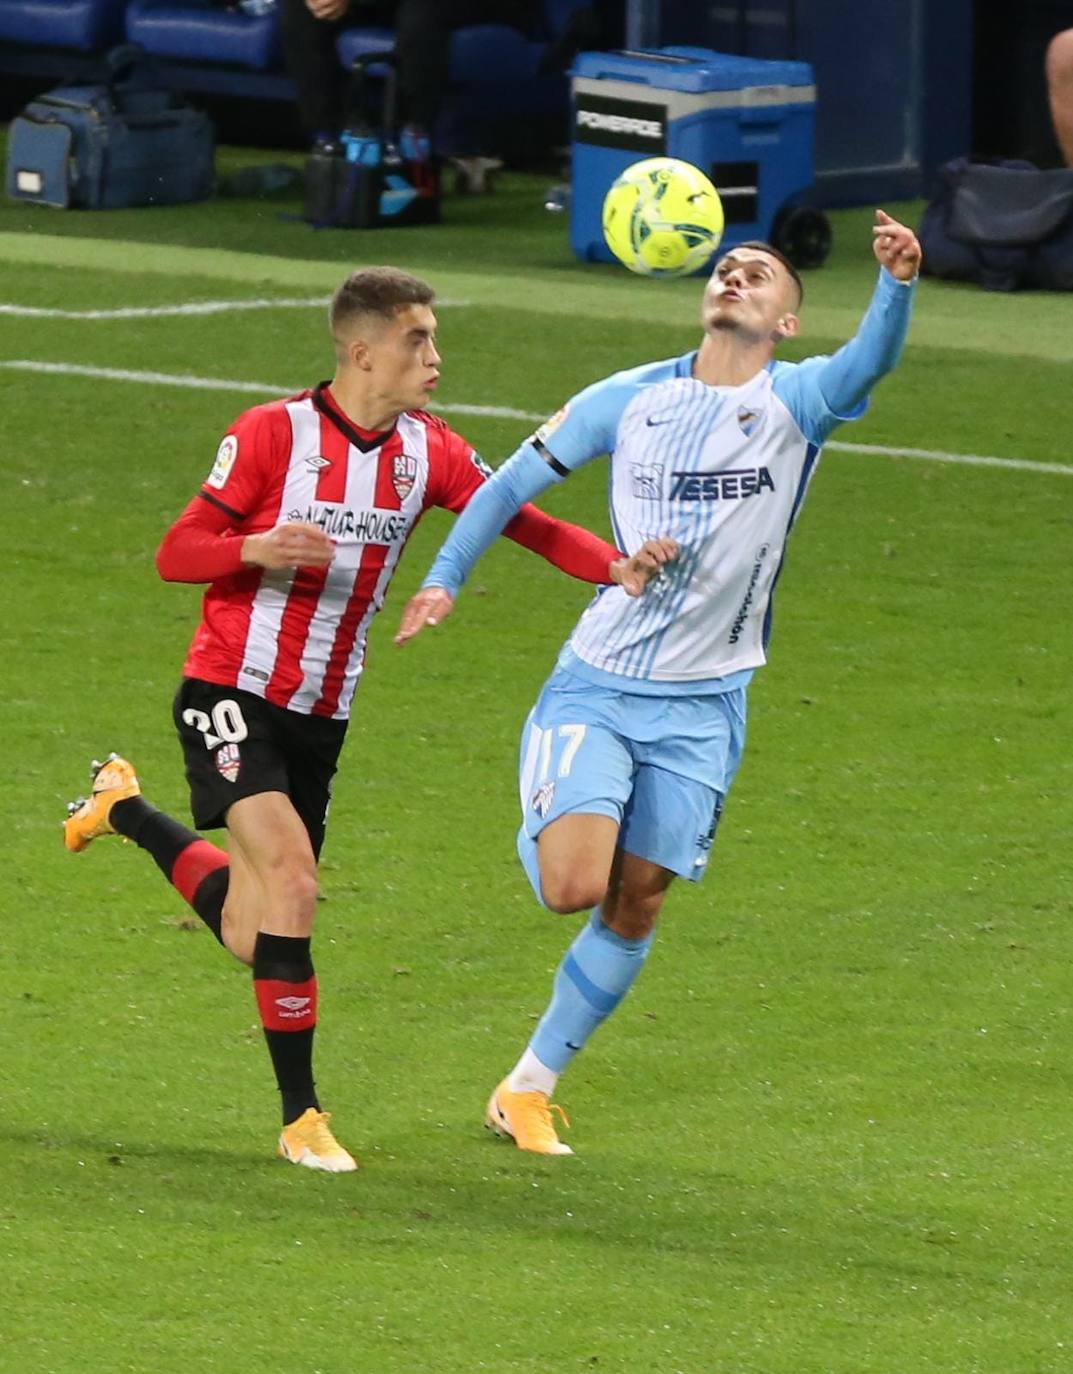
x,y
365,42
199,31
84,25
497,82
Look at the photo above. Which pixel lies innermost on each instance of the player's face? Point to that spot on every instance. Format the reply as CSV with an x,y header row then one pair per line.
x,y
752,294
402,359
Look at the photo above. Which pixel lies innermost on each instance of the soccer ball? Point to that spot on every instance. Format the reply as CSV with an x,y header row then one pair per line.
x,y
663,218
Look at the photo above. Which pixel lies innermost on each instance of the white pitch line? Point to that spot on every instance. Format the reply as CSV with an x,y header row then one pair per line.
x,y
969,460
147,312
119,374
116,374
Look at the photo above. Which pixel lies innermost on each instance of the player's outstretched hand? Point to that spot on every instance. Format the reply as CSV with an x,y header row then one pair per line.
x,y
634,573
896,247
294,544
428,607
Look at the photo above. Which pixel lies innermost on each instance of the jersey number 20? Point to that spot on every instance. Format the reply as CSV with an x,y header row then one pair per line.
x,y
224,726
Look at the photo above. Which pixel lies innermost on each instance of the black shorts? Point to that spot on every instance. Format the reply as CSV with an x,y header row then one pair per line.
x,y
238,745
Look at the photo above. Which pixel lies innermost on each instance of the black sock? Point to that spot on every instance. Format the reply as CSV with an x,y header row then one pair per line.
x,y
198,870
209,897
286,989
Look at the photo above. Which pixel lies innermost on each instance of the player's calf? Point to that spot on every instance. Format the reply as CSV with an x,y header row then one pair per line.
x,y
198,870
635,896
284,901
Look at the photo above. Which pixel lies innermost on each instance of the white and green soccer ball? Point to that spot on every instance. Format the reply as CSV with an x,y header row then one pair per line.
x,y
663,218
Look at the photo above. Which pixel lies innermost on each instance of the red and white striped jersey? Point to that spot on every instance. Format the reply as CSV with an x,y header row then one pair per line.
x,y
297,636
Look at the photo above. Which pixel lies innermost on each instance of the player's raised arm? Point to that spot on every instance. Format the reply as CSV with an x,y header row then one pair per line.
x,y
821,392
874,350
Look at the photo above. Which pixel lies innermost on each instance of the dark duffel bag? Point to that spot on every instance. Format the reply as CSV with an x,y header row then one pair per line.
x,y
1003,226
374,176
126,141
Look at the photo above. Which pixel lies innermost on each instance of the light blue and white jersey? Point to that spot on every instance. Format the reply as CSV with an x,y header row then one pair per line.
x,y
722,470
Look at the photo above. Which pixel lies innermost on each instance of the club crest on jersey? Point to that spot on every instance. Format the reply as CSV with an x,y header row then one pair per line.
x,y
403,474
748,420
225,461
647,481
317,462
227,761
542,798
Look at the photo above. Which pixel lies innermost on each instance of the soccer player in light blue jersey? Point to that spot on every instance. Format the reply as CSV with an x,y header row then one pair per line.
x,y
631,748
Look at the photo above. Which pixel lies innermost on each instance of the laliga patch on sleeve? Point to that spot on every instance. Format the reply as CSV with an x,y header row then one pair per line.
x,y
550,426
225,461
479,463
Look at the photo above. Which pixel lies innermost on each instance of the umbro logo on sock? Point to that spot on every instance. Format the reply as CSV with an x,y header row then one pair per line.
x,y
294,1007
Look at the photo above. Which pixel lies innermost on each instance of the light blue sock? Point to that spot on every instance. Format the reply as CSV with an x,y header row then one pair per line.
x,y
595,975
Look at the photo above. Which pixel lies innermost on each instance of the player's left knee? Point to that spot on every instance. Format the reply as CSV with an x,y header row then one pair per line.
x,y
566,893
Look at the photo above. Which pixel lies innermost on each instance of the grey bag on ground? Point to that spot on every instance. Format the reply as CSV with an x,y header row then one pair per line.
x,y
1003,226
126,141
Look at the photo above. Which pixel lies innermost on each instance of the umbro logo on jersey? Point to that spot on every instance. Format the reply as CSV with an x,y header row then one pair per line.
x,y
316,462
733,485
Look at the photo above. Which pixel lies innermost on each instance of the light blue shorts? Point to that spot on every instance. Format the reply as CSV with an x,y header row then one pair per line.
x,y
660,766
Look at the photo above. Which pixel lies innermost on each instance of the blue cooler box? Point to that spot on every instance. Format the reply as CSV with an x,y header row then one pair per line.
x,y
749,125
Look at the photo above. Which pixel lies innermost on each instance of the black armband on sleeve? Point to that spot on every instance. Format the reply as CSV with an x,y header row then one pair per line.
x,y
215,501
550,459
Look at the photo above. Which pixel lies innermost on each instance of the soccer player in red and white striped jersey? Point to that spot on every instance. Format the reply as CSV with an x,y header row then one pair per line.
x,y
298,530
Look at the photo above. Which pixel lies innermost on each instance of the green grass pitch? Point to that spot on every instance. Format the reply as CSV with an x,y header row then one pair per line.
x,y
830,1132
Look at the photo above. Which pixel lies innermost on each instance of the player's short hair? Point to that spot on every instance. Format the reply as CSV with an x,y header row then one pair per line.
x,y
377,291
773,252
